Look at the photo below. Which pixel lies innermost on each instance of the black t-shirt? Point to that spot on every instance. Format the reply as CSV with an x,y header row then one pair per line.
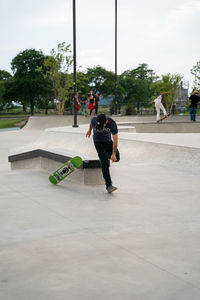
x,y
104,135
194,101
91,98
83,100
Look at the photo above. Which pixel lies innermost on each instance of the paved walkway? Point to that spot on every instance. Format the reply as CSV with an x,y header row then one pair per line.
x,y
77,242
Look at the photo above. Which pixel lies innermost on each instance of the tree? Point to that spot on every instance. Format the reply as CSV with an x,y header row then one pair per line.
x,y
101,80
4,76
29,81
137,85
10,91
56,69
82,83
1,94
168,82
196,72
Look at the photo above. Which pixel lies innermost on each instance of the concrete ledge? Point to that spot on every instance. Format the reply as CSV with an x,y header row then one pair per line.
x,y
124,128
168,127
87,163
39,159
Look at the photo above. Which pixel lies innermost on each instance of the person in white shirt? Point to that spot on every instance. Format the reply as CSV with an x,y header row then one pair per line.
x,y
159,106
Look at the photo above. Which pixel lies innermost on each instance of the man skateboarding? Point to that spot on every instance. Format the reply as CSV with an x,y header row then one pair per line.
x,y
103,127
159,106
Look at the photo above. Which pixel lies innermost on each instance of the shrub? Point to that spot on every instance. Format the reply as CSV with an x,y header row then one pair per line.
x,y
130,109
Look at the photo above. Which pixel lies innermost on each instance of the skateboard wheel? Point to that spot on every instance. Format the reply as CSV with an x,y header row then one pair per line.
x,y
52,179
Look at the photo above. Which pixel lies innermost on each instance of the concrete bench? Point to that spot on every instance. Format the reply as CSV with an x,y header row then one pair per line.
x,y
50,160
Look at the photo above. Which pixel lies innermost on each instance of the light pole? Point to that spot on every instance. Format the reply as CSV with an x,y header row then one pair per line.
x,y
115,106
74,61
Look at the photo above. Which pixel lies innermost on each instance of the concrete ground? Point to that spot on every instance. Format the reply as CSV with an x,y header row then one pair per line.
x,y
78,242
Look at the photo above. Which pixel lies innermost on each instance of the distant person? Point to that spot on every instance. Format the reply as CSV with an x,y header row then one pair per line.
x,y
193,101
159,106
106,148
77,104
97,96
92,102
83,105
173,108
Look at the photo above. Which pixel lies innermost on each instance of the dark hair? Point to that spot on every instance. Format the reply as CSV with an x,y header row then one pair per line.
x,y
101,120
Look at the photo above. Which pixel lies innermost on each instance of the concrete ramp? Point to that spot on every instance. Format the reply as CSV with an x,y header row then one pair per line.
x,y
62,139
67,139
139,124
43,122
149,153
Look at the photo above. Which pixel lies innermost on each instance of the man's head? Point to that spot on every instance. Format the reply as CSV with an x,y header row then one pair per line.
x,y
101,121
195,92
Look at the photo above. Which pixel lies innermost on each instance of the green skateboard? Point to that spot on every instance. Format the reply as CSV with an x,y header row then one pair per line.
x,y
65,170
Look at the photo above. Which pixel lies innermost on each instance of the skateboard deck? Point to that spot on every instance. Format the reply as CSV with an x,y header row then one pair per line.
x,y
65,170
163,118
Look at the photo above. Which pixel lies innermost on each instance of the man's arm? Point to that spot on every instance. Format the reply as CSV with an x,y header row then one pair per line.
x,y
88,134
115,144
157,98
166,93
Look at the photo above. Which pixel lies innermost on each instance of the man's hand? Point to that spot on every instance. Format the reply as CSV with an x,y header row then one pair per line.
x,y
113,157
88,134
115,143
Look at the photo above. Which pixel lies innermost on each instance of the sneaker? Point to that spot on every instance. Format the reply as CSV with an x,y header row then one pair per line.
x,y
111,188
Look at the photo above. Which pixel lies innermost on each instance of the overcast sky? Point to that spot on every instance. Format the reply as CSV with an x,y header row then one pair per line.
x,y
163,34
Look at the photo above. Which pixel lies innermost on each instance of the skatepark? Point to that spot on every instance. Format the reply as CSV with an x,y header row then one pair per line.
x,y
75,241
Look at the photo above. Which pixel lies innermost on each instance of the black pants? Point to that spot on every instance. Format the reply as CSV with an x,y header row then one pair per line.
x,y
104,151
96,108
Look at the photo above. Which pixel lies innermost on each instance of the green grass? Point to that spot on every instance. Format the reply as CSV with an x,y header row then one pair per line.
x,y
9,123
187,112
8,116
